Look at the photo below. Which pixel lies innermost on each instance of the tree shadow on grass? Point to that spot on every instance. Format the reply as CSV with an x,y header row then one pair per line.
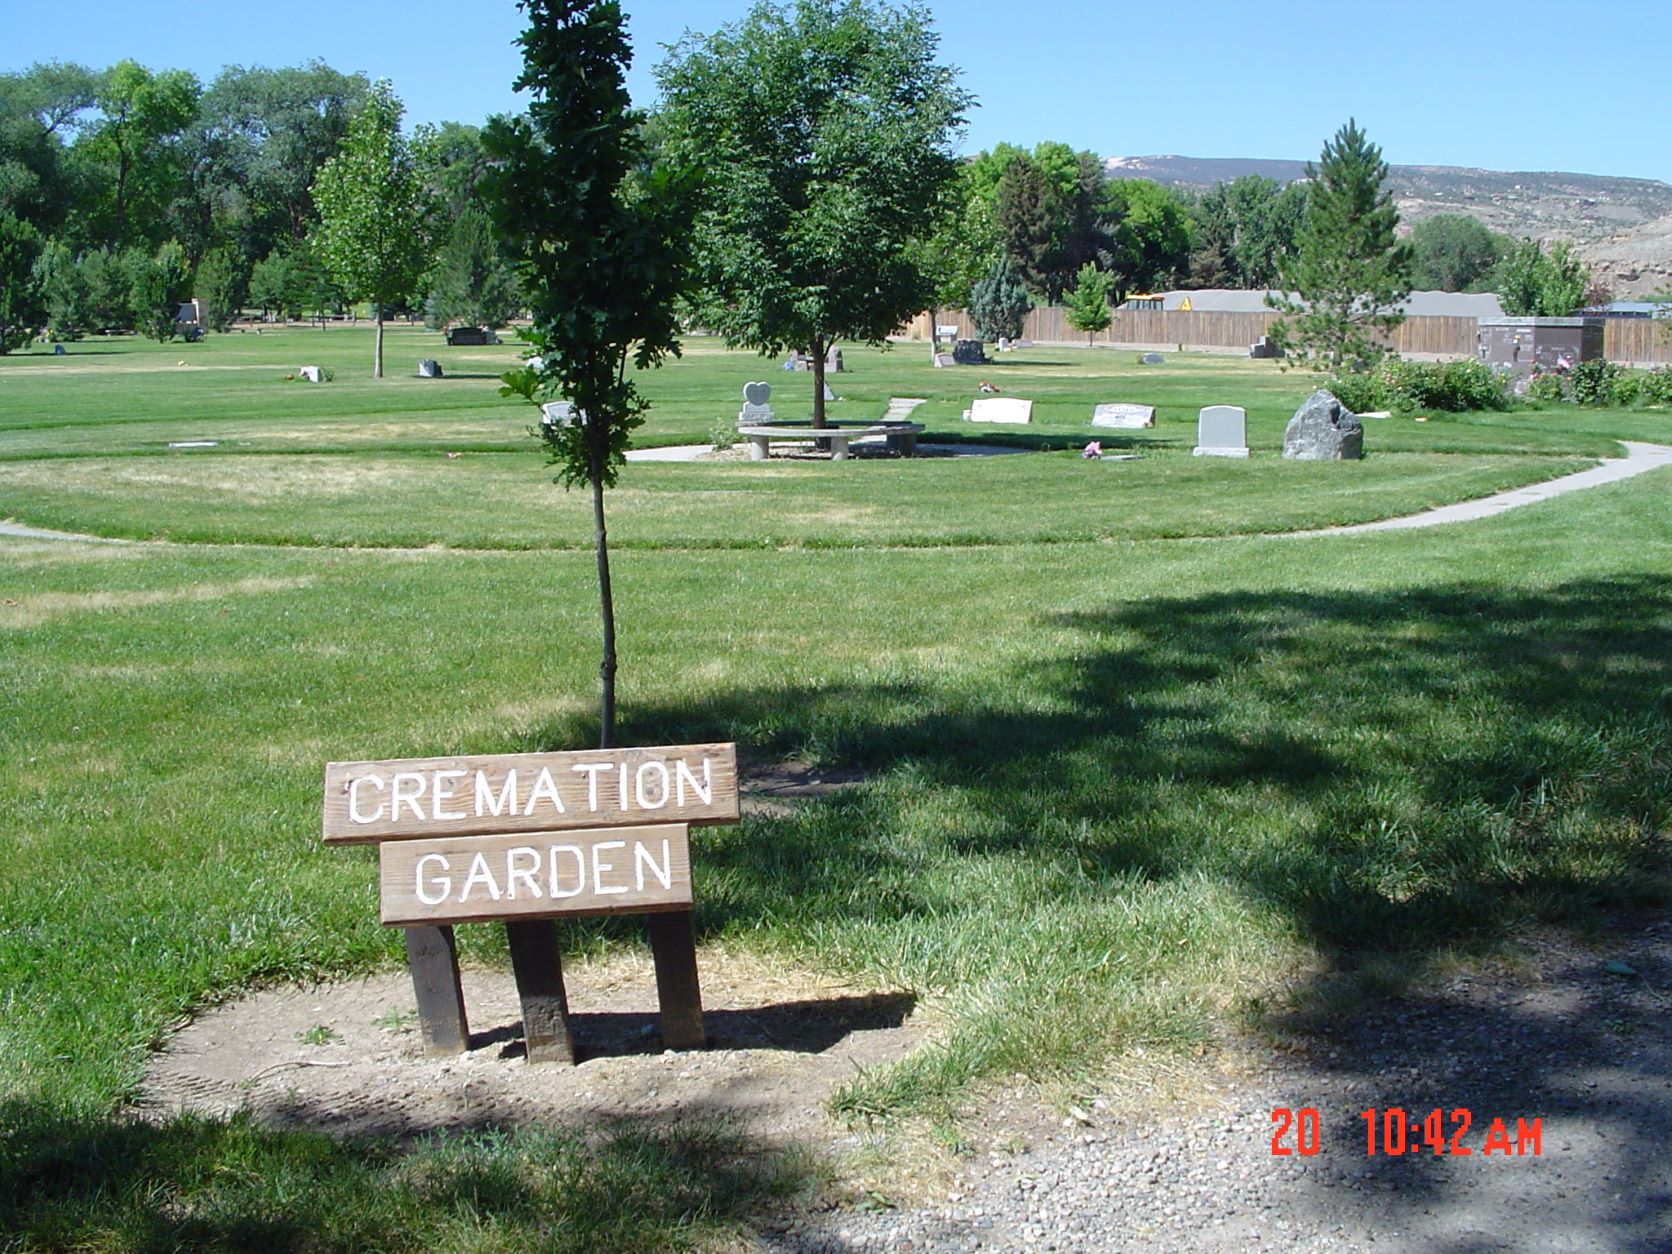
x,y
69,1181
1387,769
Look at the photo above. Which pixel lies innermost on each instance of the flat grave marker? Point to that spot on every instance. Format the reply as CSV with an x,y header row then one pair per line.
x,y
1124,416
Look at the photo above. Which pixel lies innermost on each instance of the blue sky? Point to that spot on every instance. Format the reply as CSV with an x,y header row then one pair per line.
x,y
1529,86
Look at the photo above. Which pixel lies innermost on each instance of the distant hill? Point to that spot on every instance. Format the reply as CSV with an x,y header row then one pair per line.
x,y
1622,227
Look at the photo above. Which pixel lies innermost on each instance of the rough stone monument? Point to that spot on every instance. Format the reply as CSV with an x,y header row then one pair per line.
x,y
429,368
1323,430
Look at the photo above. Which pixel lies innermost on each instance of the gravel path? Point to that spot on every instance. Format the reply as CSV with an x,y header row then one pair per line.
x,y
1582,1045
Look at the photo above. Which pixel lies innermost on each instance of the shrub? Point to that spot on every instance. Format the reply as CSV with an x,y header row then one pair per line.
x,y
1593,382
1627,389
1362,393
1657,386
1452,387
1546,389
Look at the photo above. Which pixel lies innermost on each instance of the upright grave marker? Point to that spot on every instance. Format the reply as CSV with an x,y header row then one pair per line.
x,y
528,838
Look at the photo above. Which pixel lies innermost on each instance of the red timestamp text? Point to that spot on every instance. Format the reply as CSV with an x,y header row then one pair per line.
x,y
1392,1132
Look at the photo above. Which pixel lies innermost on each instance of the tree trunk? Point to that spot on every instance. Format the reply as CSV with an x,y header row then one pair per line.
x,y
818,381
934,344
606,607
377,351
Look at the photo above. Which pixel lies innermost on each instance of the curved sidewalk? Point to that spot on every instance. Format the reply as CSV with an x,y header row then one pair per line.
x,y
1639,459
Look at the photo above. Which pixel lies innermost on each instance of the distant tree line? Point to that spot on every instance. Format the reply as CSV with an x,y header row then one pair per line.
x,y
126,191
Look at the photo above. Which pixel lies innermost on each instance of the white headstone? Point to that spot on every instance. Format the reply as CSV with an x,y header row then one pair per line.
x,y
557,414
1222,431
828,394
1011,409
947,332
1113,415
310,373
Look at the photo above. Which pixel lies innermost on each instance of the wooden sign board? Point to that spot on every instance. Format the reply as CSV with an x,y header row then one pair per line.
x,y
424,798
619,870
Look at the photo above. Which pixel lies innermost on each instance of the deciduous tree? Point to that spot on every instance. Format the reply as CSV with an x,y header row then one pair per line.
x,y
372,212
1349,272
1088,301
600,243
1534,283
22,310
1452,252
826,129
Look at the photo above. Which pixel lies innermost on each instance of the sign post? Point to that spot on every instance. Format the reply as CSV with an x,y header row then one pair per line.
x,y
526,839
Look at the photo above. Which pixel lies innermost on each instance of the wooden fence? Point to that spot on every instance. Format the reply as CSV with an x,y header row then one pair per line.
x,y
1639,340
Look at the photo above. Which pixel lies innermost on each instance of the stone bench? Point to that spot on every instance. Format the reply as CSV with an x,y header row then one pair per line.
x,y
901,437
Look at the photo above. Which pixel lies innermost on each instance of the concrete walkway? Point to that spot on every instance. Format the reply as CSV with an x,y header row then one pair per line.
x,y
1639,459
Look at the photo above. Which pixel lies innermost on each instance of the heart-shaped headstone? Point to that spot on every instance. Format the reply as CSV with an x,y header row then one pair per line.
x,y
757,393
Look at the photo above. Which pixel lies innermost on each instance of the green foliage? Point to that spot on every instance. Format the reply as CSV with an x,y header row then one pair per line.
x,y
471,283
1148,229
222,285
64,290
601,247
1349,271
372,211
1533,283
826,131
1030,215
1593,382
109,289
158,284
1452,252
134,154
1088,301
1657,386
998,303
1546,389
1462,386
22,308
1365,393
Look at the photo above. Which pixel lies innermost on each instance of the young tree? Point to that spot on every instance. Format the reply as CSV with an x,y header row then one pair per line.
x,y
1534,283
999,303
600,244
1349,272
1088,301
826,129
371,211
22,310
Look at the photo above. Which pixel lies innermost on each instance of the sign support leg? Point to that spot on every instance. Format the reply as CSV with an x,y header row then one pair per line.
x,y
673,944
545,1002
433,958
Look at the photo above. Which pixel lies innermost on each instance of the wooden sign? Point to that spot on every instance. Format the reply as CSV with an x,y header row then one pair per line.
x,y
419,798
619,870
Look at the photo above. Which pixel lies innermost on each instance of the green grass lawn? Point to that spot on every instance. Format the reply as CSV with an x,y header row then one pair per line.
x,y
1117,791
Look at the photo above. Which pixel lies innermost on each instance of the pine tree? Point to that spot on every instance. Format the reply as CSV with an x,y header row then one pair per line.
x,y
999,303
1349,272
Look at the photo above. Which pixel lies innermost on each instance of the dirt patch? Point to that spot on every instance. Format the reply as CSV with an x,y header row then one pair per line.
x,y
347,1058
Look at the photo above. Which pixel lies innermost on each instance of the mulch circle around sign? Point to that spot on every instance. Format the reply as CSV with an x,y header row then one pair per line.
x,y
347,1058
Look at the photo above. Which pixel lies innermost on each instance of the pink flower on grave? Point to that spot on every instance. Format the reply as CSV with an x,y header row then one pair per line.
x,y
1092,451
